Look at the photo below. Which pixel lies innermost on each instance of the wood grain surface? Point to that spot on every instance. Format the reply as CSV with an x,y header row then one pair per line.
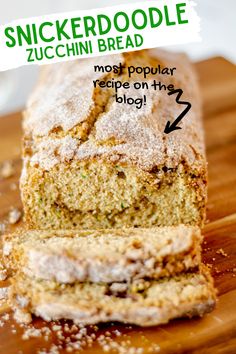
x,y
216,332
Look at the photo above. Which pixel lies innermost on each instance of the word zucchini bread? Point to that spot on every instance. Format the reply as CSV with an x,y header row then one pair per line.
x,y
90,162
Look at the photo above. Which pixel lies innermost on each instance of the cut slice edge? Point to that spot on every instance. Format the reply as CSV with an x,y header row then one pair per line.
x,y
104,255
144,303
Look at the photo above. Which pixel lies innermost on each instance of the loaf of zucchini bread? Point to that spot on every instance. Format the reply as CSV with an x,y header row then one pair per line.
x,y
91,162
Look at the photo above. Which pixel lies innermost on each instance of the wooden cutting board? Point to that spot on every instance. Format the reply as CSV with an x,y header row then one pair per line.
x,y
216,332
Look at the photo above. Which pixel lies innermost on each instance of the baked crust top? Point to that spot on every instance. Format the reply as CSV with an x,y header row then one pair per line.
x,y
62,122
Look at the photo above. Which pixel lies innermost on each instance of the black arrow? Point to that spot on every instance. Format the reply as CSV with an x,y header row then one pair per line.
x,y
170,127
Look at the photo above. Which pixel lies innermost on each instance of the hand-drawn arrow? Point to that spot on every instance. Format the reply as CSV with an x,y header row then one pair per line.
x,y
170,127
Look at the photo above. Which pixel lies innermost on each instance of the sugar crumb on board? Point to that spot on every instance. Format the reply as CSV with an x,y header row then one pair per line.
x,y
22,316
77,337
4,319
14,216
6,169
31,333
221,252
3,293
3,273
13,186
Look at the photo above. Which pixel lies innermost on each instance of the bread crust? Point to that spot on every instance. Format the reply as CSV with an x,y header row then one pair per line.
x,y
137,135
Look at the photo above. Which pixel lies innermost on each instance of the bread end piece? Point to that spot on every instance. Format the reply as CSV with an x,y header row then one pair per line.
x,y
142,302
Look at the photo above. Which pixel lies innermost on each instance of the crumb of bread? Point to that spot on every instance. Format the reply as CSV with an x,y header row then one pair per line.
x,y
77,338
13,186
154,348
56,327
3,274
14,216
21,316
222,252
31,333
6,169
4,319
3,293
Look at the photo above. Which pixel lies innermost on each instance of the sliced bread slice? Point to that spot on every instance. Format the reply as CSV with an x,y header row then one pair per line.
x,y
104,255
141,302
